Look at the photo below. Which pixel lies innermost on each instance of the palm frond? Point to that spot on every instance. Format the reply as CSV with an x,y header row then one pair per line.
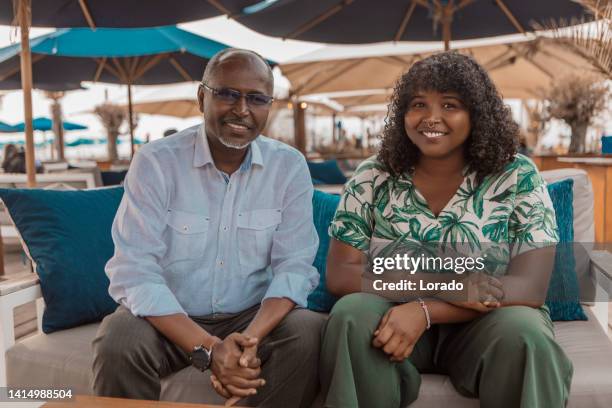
x,y
592,42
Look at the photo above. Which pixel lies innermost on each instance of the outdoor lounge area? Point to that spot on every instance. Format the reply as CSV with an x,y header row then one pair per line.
x,y
208,203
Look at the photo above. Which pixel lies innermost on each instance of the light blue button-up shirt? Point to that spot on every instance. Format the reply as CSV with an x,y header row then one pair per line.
x,y
190,239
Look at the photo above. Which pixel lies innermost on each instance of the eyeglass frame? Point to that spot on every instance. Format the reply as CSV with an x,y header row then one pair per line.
x,y
215,93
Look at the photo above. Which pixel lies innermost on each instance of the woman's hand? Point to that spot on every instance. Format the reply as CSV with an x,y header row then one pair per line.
x,y
484,293
399,330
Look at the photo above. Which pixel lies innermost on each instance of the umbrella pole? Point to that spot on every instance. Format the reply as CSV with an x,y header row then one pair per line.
x,y
447,18
131,121
24,12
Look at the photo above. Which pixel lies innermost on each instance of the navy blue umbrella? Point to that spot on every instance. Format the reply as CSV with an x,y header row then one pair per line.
x,y
121,13
357,22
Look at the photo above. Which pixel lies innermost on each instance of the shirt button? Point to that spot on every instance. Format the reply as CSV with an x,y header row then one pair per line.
x,y
224,228
220,262
185,228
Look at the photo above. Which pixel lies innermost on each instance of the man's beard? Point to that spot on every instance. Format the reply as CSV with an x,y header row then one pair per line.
x,y
233,145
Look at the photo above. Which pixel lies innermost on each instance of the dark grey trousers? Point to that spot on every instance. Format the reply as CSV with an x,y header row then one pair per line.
x,y
131,356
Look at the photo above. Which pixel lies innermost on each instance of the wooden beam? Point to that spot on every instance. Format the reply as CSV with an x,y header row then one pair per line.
x,y
527,58
24,13
299,122
319,19
217,4
447,20
133,64
101,64
131,120
394,60
153,61
297,68
510,16
107,67
463,4
123,74
182,71
87,14
495,62
343,70
402,27
321,69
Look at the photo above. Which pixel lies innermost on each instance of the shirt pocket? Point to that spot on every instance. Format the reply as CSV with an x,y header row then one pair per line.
x,y
255,233
186,236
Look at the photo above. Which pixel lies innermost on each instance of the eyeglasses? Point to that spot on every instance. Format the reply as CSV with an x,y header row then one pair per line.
x,y
232,96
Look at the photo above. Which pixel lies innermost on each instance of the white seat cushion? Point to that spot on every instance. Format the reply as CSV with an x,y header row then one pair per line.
x,y
63,359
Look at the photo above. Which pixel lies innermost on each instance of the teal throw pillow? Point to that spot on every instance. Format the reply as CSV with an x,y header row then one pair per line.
x,y
563,298
324,207
326,172
68,236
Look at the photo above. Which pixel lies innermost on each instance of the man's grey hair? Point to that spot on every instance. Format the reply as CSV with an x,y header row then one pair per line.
x,y
218,57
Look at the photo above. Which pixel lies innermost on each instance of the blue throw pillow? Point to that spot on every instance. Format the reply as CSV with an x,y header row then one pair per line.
x,y
68,236
563,298
324,207
326,172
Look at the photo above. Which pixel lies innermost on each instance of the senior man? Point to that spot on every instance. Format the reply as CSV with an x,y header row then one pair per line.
x,y
214,244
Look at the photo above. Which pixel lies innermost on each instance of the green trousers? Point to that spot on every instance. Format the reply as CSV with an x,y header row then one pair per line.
x,y
507,358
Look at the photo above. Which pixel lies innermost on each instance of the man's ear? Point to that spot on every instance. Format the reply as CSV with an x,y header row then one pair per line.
x,y
201,98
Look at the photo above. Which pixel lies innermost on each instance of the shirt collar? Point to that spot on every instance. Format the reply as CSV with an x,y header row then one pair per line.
x,y
202,155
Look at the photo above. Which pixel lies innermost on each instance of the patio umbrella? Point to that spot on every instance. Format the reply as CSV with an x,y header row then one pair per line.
x,y
520,69
46,124
121,13
6,128
178,100
81,141
94,13
359,22
128,56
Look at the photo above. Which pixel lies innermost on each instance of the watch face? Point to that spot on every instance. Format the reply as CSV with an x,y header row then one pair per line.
x,y
200,359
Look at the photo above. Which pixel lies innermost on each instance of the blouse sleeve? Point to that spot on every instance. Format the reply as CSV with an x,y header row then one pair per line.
x,y
532,224
353,221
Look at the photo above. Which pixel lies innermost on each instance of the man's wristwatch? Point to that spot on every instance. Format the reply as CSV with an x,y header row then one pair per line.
x,y
201,357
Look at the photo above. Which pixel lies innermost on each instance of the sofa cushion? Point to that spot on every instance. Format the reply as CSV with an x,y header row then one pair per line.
x,y
64,358
67,235
563,298
323,207
584,225
327,172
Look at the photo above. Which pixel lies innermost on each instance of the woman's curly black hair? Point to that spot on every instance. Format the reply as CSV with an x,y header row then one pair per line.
x,y
493,139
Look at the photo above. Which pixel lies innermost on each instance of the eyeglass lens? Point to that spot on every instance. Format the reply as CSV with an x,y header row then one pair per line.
x,y
233,96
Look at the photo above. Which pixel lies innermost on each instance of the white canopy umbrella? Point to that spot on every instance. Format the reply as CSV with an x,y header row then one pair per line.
x,y
520,67
179,100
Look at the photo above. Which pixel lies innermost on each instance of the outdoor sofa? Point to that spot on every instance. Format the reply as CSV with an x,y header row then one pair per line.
x,y
63,359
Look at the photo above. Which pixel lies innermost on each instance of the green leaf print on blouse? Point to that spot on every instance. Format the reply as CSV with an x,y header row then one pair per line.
x,y
353,229
413,198
541,218
497,229
465,193
457,231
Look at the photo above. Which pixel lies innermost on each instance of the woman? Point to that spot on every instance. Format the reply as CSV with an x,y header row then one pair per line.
x,y
447,171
